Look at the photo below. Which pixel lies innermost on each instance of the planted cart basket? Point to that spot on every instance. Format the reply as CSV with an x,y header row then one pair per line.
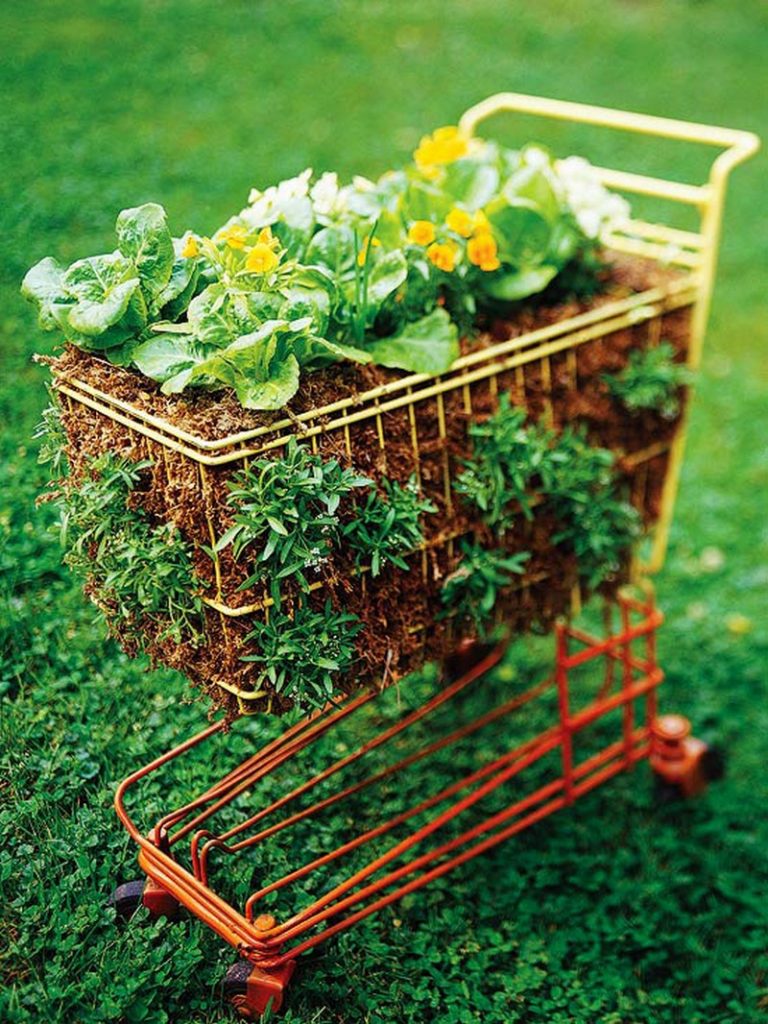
x,y
418,430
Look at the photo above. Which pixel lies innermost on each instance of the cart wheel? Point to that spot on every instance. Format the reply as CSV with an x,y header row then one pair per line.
x,y
469,652
665,792
235,988
127,898
251,990
713,764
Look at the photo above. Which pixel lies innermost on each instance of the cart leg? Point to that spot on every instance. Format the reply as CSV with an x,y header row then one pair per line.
x,y
682,764
251,990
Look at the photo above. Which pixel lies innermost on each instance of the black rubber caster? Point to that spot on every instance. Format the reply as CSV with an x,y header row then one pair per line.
x,y
665,792
469,653
713,764
127,898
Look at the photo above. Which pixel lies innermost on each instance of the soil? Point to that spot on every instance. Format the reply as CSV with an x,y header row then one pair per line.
x,y
400,610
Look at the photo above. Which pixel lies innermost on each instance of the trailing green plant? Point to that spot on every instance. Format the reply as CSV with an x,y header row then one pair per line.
x,y
52,436
138,570
596,523
310,273
470,592
385,527
288,507
508,459
513,461
302,653
652,379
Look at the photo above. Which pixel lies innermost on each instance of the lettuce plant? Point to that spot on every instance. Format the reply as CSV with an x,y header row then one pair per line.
x,y
310,272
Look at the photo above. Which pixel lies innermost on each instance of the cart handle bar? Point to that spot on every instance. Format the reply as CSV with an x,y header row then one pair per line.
x,y
739,144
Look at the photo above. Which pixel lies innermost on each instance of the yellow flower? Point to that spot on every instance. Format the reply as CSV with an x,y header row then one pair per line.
x,y
233,236
266,236
482,251
190,248
368,243
460,221
261,259
443,146
443,255
480,223
421,232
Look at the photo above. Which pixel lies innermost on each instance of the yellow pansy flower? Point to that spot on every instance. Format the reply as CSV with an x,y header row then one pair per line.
x,y
442,255
443,146
233,236
480,223
482,251
460,221
368,242
421,232
190,248
261,259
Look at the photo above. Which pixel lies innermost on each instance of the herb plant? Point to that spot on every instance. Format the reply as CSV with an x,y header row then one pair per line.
x,y
138,570
512,462
311,273
386,527
301,654
595,522
471,590
508,459
652,379
288,506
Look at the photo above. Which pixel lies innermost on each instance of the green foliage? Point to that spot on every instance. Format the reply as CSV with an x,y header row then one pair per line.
x,y
596,523
512,462
471,590
386,527
508,459
652,379
288,506
52,436
138,570
301,654
310,273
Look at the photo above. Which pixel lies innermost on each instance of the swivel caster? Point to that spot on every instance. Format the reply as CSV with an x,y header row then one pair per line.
x,y
128,897
467,655
252,990
682,764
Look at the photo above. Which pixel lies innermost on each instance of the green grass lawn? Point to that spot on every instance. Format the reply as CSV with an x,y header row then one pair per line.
x,y
617,912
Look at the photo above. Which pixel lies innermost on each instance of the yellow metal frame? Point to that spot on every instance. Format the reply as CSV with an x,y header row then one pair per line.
x,y
694,253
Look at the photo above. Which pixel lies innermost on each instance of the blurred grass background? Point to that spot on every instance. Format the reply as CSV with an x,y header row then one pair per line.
x,y
618,912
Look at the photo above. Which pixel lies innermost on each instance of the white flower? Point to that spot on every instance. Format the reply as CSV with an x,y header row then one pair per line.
x,y
594,207
269,206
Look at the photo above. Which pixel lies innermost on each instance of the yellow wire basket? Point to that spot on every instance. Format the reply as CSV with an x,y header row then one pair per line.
x,y
683,300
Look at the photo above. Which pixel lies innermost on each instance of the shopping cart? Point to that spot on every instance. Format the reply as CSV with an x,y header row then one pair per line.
x,y
591,716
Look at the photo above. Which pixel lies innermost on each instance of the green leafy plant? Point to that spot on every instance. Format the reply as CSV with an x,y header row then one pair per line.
x,y
582,491
288,506
471,590
53,439
302,653
513,462
509,458
652,379
385,527
311,273
138,570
